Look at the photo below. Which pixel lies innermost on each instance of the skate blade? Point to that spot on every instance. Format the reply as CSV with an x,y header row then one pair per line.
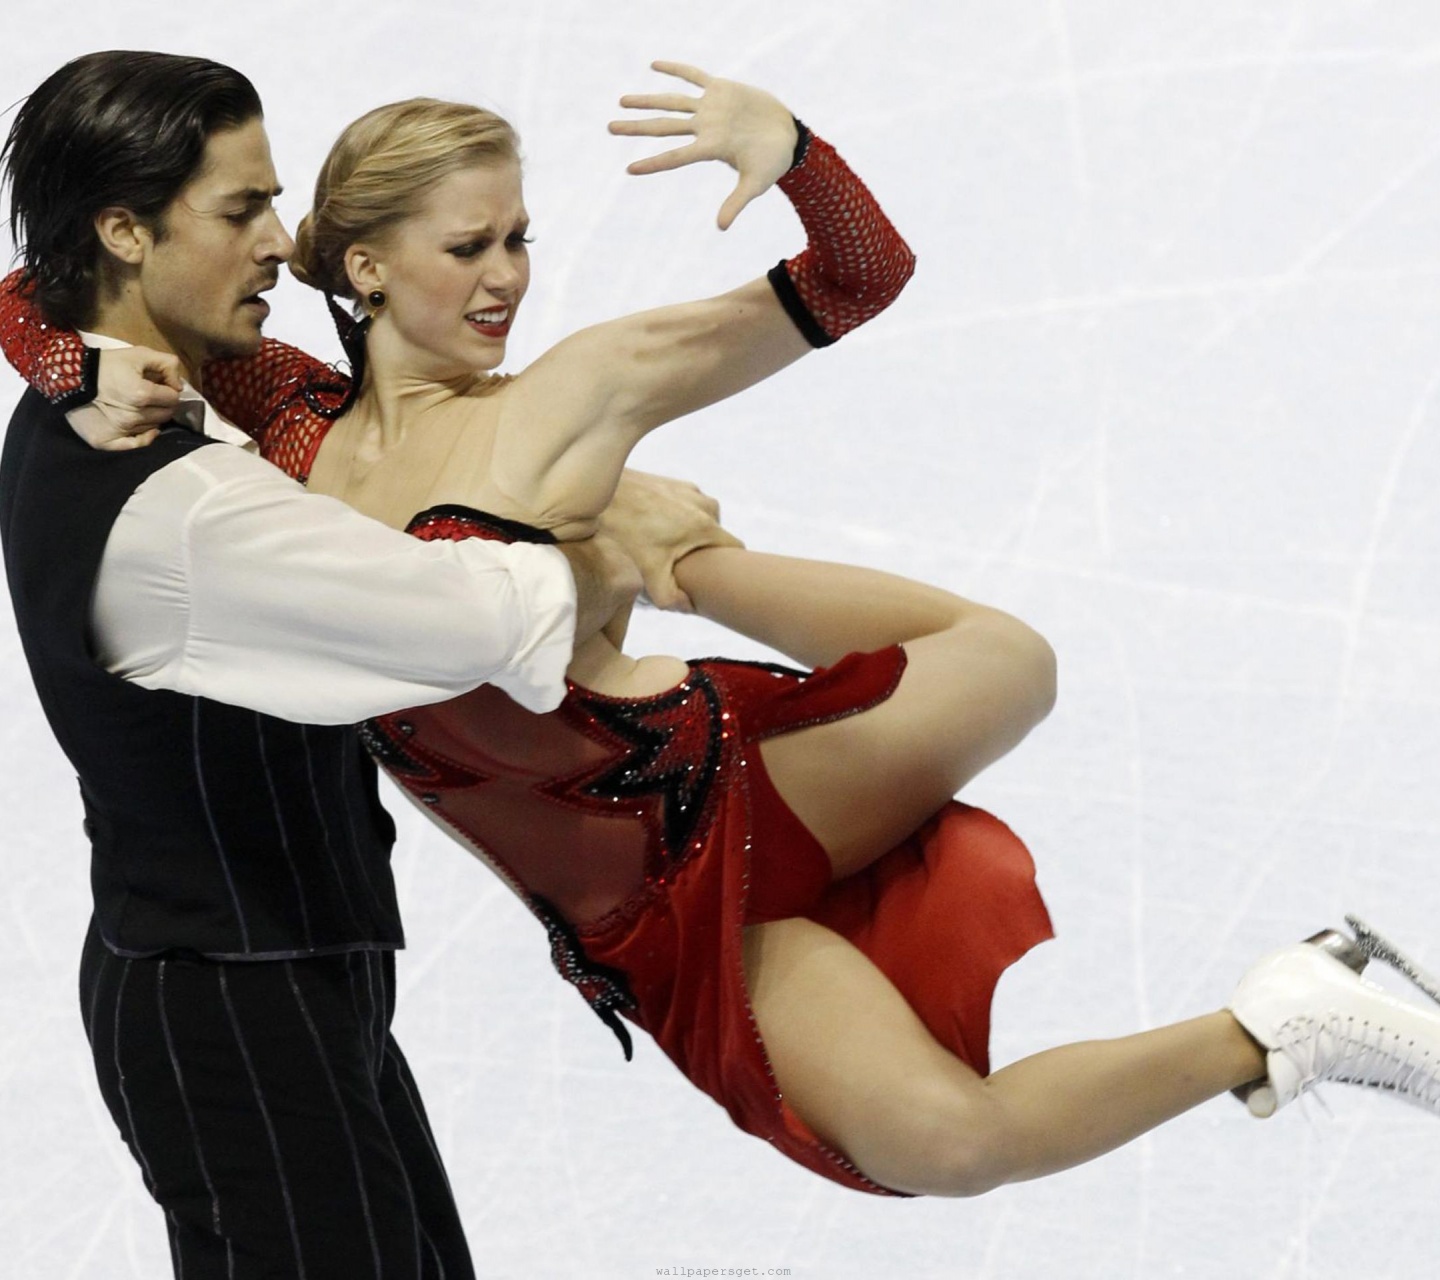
x,y
1382,949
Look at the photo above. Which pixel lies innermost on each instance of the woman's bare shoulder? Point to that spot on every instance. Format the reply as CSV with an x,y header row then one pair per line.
x,y
491,384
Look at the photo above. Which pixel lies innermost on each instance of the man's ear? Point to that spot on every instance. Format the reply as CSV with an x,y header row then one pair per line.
x,y
364,269
122,235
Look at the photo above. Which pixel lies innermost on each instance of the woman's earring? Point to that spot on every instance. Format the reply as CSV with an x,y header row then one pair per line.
x,y
376,299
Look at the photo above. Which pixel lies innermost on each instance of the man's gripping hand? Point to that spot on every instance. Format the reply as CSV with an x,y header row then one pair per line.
x,y
606,583
660,521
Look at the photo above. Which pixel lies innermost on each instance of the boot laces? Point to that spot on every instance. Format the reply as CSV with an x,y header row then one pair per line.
x,y
1350,1050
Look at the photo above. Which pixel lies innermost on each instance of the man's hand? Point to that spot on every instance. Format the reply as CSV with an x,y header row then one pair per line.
x,y
659,521
606,582
137,393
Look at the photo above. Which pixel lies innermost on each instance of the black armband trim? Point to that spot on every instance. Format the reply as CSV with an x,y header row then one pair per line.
x,y
795,307
802,144
89,383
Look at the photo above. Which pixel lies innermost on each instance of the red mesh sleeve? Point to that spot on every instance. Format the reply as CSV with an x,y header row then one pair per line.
x,y
53,361
277,397
855,264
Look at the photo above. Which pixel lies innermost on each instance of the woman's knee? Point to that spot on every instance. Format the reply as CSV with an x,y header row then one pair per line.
x,y
1019,655
1035,660
946,1142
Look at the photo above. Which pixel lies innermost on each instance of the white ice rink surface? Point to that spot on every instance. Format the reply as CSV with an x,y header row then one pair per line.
x,y
1166,384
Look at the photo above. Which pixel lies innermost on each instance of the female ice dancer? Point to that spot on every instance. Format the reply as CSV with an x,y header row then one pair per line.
x,y
762,867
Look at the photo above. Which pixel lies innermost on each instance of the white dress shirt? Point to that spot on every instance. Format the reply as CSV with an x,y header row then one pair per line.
x,y
224,578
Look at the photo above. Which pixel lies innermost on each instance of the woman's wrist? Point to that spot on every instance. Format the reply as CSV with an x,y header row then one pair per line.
x,y
802,144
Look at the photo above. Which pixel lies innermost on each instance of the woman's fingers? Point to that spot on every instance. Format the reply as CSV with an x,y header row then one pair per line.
x,y
733,203
667,160
162,368
682,71
660,127
746,128
659,102
147,402
117,444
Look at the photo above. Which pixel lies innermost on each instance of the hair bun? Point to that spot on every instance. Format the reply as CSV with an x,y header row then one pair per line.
x,y
379,172
302,264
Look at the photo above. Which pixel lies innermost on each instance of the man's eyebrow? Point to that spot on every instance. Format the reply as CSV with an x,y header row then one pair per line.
x,y
253,195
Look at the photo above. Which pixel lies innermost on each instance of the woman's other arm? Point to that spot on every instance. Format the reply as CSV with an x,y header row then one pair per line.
x,y
115,399
816,612
264,393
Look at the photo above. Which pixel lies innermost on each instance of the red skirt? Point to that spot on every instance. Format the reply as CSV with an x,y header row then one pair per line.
x,y
942,915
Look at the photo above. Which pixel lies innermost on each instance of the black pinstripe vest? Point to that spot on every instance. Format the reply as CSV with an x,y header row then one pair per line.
x,y
213,829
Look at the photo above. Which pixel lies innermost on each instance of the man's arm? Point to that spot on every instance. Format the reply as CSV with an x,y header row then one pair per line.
x,y
223,578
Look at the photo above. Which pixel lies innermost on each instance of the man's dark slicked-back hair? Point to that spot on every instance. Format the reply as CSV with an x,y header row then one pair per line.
x,y
118,128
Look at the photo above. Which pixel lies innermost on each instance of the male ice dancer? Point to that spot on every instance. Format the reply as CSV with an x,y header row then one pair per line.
x,y
202,633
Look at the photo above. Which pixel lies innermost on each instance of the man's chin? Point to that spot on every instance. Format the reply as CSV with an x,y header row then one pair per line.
x,y
234,345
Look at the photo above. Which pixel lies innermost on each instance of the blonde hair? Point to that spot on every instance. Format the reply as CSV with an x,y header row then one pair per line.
x,y
380,171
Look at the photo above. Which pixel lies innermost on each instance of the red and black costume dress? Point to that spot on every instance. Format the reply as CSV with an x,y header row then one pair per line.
x,y
645,832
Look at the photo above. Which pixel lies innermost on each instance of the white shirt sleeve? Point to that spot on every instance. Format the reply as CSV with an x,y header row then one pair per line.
x,y
224,578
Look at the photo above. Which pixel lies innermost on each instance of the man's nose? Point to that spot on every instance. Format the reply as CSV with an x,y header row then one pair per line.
x,y
275,245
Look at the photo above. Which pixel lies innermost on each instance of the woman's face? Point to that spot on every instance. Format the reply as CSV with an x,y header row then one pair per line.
x,y
454,274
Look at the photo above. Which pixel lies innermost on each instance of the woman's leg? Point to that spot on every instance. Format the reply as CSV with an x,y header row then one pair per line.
x,y
976,682
861,1069
849,1053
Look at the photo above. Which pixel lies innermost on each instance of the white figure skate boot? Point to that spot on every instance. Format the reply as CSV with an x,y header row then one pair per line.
x,y
1320,1020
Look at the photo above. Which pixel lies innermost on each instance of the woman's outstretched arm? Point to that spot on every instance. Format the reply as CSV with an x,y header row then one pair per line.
x,y
596,394
975,681
816,612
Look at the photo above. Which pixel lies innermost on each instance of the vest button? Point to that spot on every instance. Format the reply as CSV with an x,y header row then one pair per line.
x,y
430,798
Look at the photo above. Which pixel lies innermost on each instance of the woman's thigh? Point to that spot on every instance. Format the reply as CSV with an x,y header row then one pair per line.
x,y
862,784
855,1061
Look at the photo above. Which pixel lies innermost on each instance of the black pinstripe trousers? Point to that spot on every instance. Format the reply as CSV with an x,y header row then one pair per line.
x,y
273,1116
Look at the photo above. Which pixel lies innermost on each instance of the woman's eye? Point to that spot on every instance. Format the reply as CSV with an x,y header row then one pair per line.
x,y
474,248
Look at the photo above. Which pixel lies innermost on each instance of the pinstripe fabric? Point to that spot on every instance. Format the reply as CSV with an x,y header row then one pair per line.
x,y
258,1093
273,1116
283,834
203,792
344,764
213,829
375,1019
342,881
127,1128
216,1223
350,1141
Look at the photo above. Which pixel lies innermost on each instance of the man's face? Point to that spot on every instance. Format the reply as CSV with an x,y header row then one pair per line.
x,y
220,248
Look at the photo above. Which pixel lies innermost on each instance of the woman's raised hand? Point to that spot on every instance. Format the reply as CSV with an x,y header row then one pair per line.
x,y
749,129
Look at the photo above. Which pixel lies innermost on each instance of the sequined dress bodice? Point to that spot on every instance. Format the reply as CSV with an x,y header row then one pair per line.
x,y
582,808
590,810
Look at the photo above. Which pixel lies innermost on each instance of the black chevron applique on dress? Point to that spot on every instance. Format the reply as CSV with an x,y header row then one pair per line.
x,y
663,757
